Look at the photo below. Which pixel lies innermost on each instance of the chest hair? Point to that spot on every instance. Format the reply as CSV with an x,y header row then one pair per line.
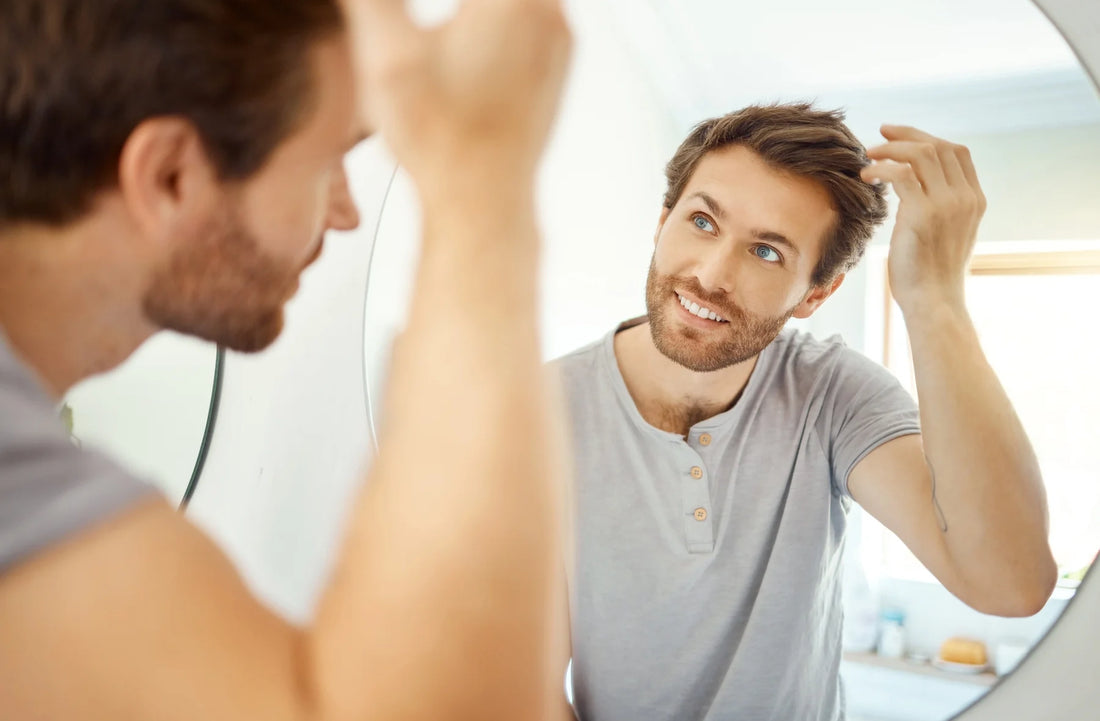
x,y
679,418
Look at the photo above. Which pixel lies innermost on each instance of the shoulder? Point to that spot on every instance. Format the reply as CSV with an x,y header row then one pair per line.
x,y
800,358
49,489
579,366
808,370
805,354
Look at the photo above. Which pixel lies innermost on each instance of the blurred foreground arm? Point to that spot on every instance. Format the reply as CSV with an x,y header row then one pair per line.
x,y
454,566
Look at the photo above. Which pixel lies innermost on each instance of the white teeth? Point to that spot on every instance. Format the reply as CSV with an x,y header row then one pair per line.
x,y
696,309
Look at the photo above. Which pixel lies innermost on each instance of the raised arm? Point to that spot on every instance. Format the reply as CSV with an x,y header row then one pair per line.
x,y
454,565
966,496
446,592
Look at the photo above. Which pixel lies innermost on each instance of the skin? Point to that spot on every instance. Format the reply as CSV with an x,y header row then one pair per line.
x,y
978,521
105,624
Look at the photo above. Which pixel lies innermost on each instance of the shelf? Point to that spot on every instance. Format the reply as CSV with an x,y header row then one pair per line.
x,y
985,678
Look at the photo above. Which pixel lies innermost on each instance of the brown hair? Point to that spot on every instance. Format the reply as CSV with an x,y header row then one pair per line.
x,y
811,143
77,76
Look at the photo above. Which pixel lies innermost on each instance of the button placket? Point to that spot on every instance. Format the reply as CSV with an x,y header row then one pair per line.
x,y
696,503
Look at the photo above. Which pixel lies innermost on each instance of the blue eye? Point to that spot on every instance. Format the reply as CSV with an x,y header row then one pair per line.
x,y
764,252
702,223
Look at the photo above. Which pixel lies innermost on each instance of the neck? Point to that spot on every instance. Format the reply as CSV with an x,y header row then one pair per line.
x,y
70,301
668,395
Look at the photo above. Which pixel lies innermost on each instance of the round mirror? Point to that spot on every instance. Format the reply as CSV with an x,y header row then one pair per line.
x,y
155,413
994,75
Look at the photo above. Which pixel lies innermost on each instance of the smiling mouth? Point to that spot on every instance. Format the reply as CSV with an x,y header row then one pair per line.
x,y
700,311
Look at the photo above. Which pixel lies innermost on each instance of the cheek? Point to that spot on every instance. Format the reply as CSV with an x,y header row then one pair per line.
x,y
767,292
673,254
289,222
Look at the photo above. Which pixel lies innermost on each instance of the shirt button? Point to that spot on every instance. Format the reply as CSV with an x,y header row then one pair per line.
x,y
704,440
700,514
696,472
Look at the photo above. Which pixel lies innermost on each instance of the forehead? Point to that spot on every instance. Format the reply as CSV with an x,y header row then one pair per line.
x,y
754,193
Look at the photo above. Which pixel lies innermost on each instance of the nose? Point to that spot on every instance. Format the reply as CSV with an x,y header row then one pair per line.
x,y
716,270
343,214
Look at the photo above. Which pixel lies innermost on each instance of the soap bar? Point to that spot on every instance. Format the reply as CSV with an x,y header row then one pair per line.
x,y
963,650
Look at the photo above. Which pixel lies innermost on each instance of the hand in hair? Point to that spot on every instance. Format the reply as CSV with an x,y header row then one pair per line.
x,y
937,221
477,93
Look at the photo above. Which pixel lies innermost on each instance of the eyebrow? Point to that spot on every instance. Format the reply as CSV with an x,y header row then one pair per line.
x,y
769,236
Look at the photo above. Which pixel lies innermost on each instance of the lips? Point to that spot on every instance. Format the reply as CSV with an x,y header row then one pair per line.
x,y
700,311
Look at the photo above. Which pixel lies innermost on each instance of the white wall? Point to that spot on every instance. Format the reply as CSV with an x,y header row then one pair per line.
x,y
150,412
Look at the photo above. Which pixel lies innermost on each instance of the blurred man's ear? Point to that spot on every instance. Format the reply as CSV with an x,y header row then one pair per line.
x,y
164,176
816,297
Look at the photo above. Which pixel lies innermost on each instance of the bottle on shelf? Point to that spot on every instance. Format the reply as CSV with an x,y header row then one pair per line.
x,y
891,641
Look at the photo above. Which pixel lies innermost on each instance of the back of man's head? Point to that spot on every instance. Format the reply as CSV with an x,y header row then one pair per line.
x,y
804,141
77,76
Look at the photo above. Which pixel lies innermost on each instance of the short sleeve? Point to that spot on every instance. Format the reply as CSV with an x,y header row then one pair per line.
x,y
864,407
49,489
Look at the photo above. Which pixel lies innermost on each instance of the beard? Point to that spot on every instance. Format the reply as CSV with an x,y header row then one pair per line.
x,y
742,338
222,287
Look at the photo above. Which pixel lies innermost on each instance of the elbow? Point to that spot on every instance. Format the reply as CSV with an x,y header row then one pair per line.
x,y
1019,595
1032,598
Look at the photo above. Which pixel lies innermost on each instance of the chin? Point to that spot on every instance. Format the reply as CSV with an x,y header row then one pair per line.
x,y
258,337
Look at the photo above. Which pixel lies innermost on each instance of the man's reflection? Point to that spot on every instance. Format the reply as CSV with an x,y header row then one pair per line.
x,y
718,454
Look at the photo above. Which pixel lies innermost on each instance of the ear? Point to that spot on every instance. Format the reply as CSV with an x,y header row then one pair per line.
x,y
816,297
166,178
661,223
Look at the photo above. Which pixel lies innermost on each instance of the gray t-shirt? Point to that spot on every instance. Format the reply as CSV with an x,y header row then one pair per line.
x,y
707,582
49,489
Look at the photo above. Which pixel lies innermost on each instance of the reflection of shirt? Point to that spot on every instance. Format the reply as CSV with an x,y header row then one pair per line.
x,y
49,490
707,579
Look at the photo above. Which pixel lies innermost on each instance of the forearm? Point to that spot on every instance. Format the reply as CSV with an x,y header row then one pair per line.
x,y
987,488
452,567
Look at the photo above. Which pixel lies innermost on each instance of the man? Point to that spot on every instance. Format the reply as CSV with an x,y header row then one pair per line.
x,y
718,454
174,164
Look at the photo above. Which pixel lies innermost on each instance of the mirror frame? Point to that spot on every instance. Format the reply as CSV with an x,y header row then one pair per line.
x,y
1057,680
208,431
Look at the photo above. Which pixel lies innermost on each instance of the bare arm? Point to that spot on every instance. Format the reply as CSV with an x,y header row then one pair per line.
x,y
444,596
967,496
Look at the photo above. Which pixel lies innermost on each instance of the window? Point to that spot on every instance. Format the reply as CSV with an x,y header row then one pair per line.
x,y
1033,307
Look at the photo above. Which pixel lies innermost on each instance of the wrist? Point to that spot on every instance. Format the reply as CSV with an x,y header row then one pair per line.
x,y
934,313
930,300
477,196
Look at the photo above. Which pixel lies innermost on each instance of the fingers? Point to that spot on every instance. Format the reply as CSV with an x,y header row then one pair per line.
x,y
954,160
919,164
923,158
900,175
